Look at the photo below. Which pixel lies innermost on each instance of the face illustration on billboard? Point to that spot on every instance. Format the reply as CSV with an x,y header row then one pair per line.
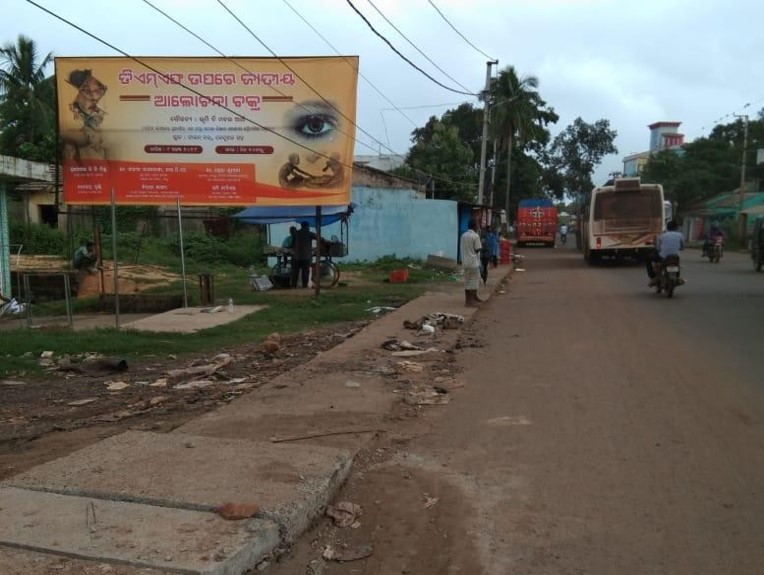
x,y
210,131
84,141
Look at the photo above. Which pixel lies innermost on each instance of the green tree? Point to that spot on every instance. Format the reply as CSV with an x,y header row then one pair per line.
x,y
519,118
27,101
468,121
443,155
699,170
733,134
575,153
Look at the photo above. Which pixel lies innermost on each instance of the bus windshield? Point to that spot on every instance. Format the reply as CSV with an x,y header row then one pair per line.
x,y
616,205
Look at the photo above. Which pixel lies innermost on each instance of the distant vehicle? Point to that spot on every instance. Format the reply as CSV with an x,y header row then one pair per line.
x,y
622,220
536,222
668,212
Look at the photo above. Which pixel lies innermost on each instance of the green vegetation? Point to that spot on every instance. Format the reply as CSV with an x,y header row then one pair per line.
x,y
362,286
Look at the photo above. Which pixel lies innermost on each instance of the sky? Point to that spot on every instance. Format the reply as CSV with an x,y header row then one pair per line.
x,y
632,63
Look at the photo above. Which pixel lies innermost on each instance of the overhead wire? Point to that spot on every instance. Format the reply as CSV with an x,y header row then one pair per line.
x,y
192,90
462,36
185,86
361,74
426,57
317,93
303,80
404,58
394,107
235,62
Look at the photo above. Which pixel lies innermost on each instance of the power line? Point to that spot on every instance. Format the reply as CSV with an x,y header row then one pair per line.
x,y
361,74
264,45
409,62
208,99
316,92
185,86
455,81
457,31
426,106
274,88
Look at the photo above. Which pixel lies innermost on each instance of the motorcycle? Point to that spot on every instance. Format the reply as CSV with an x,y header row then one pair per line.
x,y
668,275
715,250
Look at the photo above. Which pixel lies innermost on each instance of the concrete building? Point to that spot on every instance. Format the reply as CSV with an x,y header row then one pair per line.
x,y
392,217
663,136
383,162
14,171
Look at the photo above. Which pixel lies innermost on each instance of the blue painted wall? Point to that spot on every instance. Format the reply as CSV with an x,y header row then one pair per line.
x,y
393,221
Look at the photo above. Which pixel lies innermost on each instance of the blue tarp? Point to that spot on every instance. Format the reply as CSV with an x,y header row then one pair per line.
x,y
282,214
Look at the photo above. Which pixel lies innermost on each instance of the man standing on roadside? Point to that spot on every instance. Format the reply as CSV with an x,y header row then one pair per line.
x,y
470,246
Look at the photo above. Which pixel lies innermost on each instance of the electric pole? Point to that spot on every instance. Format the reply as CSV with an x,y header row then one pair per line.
x,y
740,215
484,141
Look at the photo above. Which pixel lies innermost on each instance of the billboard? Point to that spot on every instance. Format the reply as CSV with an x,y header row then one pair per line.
x,y
210,131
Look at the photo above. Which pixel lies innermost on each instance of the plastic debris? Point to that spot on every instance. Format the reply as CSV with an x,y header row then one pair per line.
x,y
344,513
349,554
116,385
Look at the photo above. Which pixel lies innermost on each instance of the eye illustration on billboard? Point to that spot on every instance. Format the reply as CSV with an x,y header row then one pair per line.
x,y
210,131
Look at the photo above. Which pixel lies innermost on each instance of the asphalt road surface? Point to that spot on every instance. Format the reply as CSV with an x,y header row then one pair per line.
x,y
609,430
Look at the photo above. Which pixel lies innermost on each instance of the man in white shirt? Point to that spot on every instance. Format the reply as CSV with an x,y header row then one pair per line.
x,y
470,246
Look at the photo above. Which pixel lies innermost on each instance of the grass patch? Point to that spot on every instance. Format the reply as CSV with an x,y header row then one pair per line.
x,y
285,312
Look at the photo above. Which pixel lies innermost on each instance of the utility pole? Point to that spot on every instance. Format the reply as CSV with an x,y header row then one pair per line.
x,y
484,141
740,216
493,172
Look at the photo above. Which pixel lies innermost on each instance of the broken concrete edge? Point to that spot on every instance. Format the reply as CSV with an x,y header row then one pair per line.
x,y
265,540
298,516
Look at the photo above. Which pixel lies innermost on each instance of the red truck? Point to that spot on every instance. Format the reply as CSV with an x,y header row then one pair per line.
x,y
536,222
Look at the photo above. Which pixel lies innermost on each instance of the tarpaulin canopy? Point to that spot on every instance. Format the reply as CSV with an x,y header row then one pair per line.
x,y
282,214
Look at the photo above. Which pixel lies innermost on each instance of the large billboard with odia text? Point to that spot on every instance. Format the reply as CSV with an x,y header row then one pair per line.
x,y
210,131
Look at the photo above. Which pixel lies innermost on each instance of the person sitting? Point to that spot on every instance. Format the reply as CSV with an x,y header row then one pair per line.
x,y
713,234
670,243
84,258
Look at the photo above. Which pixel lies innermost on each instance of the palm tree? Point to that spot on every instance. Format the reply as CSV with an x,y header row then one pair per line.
x,y
27,98
515,105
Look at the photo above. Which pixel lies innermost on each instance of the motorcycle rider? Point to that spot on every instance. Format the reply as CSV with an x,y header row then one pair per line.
x,y
670,243
713,234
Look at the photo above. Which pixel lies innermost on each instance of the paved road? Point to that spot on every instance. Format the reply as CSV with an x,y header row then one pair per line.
x,y
608,430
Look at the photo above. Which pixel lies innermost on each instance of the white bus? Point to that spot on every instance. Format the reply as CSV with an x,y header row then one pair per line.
x,y
622,220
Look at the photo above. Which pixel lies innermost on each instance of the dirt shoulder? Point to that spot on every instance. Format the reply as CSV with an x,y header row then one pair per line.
x,y
79,402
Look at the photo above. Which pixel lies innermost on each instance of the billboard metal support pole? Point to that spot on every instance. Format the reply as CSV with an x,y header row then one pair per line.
x,y
317,268
182,255
114,256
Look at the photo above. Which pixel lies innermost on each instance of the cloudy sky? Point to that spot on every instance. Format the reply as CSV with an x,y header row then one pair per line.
x,y
633,63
